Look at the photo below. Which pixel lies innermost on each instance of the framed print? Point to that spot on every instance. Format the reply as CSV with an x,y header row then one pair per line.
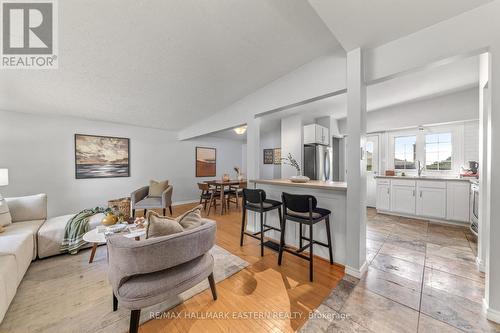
x,y
206,162
277,156
101,156
268,156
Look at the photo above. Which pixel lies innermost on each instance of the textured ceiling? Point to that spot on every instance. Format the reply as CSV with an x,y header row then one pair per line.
x,y
168,63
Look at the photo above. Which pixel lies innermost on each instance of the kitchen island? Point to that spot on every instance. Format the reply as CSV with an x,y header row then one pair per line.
x,y
330,195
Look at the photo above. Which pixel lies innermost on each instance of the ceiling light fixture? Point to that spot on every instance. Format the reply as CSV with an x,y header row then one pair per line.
x,y
241,130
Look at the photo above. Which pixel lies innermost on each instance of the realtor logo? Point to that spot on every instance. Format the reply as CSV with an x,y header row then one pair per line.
x,y
29,34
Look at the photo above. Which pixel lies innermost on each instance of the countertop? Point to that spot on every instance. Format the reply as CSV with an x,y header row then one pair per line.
x,y
314,184
428,178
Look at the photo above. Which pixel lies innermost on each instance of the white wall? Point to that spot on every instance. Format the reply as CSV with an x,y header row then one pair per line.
x,y
270,139
39,153
459,106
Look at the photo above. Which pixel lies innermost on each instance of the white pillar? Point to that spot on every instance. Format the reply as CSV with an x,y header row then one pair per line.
x,y
492,297
291,143
253,161
253,147
356,165
484,103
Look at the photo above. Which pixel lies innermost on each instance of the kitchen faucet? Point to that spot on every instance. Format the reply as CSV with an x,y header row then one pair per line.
x,y
420,168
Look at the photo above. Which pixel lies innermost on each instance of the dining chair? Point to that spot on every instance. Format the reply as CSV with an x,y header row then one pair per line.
x,y
234,194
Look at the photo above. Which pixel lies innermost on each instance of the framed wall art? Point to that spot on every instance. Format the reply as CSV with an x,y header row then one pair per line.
x,y
206,162
101,156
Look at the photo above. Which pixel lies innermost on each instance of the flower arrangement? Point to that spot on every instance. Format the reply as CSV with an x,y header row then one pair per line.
x,y
291,161
239,174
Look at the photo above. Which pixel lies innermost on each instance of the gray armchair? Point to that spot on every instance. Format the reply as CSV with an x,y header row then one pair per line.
x,y
147,272
139,199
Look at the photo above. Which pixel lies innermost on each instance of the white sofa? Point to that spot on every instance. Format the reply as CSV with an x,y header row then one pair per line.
x,y
30,235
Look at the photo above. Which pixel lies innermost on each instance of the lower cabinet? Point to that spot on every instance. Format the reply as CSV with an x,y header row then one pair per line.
x,y
403,199
457,206
431,201
384,196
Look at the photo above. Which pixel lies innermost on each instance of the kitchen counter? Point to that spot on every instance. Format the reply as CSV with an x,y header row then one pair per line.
x,y
330,195
312,184
448,178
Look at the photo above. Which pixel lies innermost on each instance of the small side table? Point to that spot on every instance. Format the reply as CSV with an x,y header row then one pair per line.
x,y
97,238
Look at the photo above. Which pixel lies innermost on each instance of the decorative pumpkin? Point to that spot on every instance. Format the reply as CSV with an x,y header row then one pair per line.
x,y
109,219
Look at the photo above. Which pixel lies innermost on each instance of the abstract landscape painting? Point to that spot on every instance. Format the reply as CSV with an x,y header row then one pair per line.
x,y
206,162
101,156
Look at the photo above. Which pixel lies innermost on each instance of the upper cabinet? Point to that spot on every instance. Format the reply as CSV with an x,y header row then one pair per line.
x,y
315,133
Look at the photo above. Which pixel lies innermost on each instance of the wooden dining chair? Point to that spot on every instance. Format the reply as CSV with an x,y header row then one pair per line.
x,y
235,193
214,196
205,194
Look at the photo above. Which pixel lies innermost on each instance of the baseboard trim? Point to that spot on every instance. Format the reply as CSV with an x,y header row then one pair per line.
x,y
423,218
177,203
480,265
357,273
493,315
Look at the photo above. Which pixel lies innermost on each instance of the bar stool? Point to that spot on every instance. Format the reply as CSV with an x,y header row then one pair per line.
x,y
302,209
255,200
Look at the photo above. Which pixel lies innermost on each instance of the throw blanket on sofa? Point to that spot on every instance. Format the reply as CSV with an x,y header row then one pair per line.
x,y
76,227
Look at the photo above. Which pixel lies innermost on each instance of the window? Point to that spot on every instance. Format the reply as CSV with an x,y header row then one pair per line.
x,y
405,152
438,151
369,156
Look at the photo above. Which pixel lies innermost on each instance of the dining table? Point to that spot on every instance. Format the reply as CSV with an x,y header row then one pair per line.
x,y
221,185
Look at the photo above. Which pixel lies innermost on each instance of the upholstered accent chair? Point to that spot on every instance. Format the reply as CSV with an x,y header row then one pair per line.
x,y
140,199
147,272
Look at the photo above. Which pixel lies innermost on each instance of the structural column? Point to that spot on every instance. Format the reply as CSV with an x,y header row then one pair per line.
x,y
492,297
484,114
253,160
356,165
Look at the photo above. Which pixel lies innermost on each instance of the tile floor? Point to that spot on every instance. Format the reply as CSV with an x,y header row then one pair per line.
x,y
422,277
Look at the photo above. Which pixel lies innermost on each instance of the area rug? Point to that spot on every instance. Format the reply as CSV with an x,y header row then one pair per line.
x,y
67,294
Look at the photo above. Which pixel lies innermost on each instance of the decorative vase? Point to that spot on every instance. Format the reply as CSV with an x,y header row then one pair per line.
x,y
226,177
109,219
299,179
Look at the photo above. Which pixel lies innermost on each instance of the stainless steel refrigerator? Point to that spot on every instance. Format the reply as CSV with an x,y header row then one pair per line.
x,y
318,162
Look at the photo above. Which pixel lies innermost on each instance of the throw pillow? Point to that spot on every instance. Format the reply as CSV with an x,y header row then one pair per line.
x,y
161,225
157,188
5,218
191,219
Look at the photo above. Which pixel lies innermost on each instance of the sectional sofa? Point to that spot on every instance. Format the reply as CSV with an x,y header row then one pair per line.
x,y
30,236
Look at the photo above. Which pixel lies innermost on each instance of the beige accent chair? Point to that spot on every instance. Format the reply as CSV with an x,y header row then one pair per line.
x,y
147,272
140,199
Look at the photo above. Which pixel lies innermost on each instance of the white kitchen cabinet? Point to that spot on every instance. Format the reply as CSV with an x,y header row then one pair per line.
x,y
403,197
384,195
315,133
437,199
457,203
431,199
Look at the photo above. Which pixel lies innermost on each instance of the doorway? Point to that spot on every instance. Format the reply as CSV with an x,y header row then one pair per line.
x,y
372,169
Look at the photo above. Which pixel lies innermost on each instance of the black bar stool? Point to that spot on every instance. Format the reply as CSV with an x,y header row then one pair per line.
x,y
302,209
255,200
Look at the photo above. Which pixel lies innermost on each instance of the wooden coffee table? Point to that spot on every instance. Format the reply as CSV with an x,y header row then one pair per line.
x,y
97,238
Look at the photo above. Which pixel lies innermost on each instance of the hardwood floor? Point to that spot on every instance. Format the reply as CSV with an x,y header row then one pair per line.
x,y
263,297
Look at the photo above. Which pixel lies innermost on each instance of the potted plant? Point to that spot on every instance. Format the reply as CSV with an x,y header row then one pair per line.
x,y
291,161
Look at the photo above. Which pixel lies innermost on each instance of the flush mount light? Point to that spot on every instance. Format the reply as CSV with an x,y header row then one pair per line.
x,y
240,130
